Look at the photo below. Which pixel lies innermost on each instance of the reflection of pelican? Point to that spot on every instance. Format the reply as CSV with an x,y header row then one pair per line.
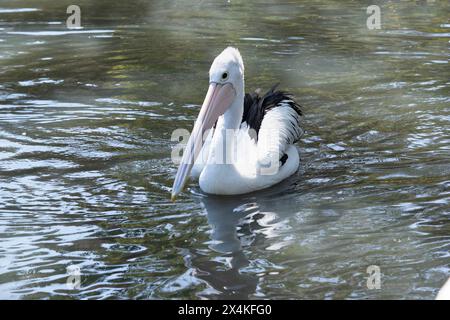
x,y
238,224
224,220
251,145
224,215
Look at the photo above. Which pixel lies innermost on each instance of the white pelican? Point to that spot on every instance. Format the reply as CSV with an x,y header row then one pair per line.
x,y
260,150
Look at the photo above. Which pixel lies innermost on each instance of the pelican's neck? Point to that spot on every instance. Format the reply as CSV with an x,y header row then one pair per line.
x,y
232,118
227,128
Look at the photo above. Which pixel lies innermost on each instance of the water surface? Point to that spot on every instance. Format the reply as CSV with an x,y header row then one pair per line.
x,y
86,118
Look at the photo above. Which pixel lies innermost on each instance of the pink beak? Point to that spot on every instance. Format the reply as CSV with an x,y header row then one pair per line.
x,y
218,99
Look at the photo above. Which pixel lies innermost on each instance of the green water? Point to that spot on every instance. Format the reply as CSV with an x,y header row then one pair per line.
x,y
86,118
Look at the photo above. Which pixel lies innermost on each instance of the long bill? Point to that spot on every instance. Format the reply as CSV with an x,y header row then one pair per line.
x,y
218,99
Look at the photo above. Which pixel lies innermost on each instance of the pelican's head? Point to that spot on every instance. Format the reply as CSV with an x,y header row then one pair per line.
x,y
226,82
228,68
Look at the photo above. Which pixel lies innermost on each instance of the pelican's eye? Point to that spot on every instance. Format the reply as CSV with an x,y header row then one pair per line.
x,y
224,76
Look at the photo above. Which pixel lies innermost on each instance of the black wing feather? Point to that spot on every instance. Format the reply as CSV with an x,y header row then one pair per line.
x,y
255,106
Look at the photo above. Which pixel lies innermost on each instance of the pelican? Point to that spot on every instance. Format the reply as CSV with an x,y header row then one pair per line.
x,y
240,142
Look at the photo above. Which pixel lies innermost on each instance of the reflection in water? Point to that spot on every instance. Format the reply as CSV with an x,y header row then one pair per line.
x,y
223,219
224,274
235,223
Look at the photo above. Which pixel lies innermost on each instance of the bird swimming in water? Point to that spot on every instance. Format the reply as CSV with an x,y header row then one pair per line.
x,y
240,142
